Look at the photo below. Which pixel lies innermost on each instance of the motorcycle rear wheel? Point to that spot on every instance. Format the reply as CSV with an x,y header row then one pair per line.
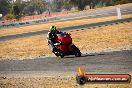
x,y
58,54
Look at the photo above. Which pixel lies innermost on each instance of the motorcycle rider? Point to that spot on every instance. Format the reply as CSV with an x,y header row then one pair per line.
x,y
52,36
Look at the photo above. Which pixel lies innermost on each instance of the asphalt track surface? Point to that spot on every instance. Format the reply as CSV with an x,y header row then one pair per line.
x,y
71,28
105,62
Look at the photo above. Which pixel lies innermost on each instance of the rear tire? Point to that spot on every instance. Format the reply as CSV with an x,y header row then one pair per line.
x,y
76,51
58,53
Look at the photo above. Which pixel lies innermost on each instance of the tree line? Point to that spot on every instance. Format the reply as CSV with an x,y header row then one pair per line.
x,y
21,8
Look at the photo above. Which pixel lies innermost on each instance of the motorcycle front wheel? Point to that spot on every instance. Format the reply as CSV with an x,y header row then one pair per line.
x,y
76,51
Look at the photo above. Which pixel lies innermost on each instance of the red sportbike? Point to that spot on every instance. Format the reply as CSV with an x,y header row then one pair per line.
x,y
65,46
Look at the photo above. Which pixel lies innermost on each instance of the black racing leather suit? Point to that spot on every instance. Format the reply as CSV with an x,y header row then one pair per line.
x,y
52,39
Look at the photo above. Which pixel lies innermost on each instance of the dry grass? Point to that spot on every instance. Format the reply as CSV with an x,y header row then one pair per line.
x,y
51,82
26,47
110,37
98,39
33,28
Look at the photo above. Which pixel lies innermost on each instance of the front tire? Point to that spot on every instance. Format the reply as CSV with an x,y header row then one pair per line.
x,y
76,51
